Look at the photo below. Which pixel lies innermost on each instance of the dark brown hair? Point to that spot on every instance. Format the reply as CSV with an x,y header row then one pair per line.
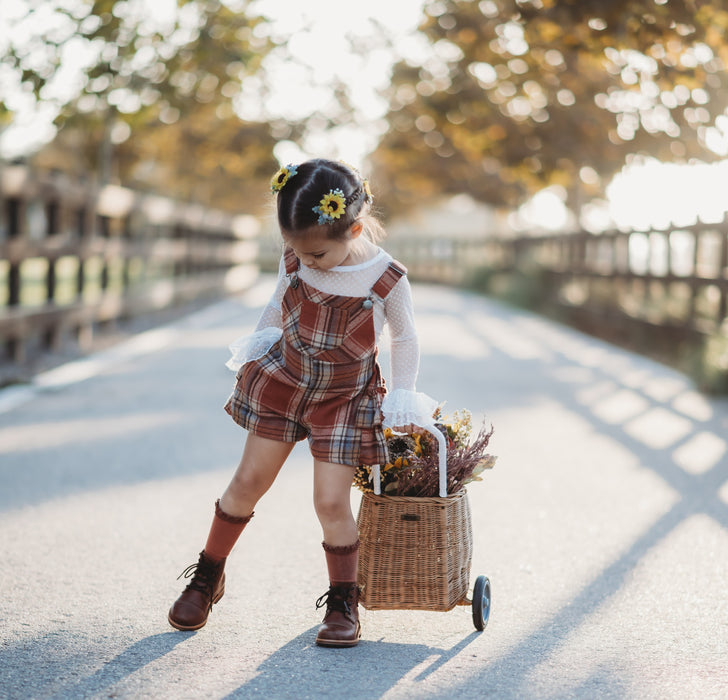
x,y
303,192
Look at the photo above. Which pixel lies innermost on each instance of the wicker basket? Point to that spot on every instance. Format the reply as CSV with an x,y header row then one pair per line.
x,y
415,553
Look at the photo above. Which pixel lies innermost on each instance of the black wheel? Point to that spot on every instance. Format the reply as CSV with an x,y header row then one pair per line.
x,y
481,602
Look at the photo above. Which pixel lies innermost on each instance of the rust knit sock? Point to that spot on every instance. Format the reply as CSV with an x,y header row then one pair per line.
x,y
342,562
224,533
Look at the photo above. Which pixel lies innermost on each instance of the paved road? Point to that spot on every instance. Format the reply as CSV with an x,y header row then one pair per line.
x,y
603,527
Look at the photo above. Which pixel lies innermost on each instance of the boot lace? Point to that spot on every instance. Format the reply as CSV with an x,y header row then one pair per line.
x,y
202,575
337,599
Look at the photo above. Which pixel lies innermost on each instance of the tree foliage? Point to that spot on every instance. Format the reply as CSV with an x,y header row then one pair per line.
x,y
158,92
219,161
516,95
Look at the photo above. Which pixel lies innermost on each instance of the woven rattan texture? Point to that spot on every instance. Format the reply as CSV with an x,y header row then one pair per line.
x,y
415,553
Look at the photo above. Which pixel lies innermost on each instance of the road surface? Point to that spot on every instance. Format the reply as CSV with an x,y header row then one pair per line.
x,y
603,527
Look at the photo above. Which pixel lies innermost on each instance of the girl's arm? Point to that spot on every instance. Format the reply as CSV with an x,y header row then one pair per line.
x,y
404,406
405,346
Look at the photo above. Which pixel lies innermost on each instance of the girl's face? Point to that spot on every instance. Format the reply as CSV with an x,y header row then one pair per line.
x,y
315,250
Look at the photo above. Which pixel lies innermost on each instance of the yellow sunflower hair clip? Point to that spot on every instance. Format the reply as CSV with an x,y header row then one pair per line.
x,y
331,206
279,180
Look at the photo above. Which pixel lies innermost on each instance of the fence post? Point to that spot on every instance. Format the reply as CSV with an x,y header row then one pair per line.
x,y
80,221
723,274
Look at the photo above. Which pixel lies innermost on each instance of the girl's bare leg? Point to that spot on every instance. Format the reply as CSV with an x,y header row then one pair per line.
x,y
332,493
261,461
259,466
331,498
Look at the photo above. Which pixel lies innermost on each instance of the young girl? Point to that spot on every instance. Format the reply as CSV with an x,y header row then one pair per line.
x,y
310,371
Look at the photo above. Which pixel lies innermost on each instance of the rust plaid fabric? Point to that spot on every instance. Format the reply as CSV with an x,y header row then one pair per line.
x,y
321,381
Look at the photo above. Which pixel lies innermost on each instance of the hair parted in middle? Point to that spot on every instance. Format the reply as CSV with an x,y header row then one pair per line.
x,y
325,193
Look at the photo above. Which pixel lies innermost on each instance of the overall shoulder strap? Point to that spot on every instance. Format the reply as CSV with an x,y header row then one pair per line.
x,y
291,261
384,285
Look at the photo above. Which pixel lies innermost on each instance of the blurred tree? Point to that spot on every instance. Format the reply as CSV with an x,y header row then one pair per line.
x,y
154,103
205,156
516,95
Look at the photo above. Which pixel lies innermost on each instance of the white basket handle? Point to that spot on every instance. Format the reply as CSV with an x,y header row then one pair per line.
x,y
442,459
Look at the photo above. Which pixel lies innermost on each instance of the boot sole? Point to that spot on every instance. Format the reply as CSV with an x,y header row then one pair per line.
x,y
323,642
336,643
192,628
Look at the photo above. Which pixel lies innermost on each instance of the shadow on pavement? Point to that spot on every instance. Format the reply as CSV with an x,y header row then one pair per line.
x,y
651,411
122,428
301,670
49,666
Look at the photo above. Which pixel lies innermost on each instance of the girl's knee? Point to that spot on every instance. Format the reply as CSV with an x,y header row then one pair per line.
x,y
329,507
248,483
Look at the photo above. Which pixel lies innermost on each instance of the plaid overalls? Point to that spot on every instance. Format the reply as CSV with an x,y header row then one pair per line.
x,y
322,379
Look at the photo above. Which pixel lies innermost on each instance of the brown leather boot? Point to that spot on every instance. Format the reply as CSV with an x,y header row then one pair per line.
x,y
341,626
191,609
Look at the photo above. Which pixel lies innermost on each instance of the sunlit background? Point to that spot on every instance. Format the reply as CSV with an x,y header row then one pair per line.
x,y
299,78
319,51
577,169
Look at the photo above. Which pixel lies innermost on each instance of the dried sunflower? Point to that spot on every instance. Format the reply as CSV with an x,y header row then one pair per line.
x,y
412,469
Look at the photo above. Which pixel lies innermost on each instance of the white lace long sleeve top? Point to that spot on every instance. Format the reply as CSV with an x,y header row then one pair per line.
x,y
402,404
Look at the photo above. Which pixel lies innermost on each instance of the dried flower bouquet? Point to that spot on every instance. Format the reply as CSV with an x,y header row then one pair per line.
x,y
412,469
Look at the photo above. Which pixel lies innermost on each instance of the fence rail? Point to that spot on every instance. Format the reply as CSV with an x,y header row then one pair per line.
x,y
675,277
74,255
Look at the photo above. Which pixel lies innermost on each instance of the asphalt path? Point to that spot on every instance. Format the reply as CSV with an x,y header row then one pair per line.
x,y
603,527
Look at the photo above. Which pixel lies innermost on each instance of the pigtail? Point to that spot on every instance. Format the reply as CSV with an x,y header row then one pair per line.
x,y
324,193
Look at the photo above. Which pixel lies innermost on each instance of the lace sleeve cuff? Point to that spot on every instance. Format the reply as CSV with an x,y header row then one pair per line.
x,y
401,407
251,347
